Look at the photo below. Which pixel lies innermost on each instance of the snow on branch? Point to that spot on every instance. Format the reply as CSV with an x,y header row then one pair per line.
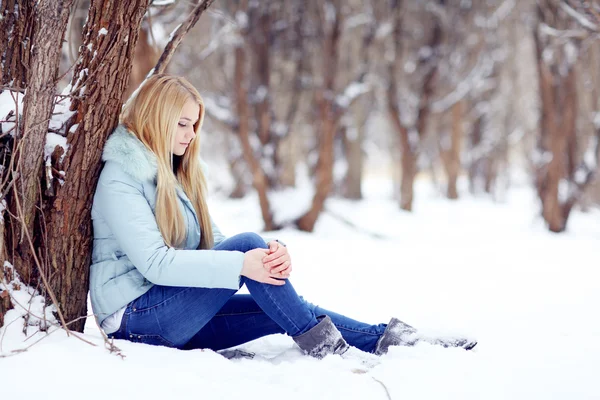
x,y
566,34
581,19
11,104
160,3
351,93
474,80
218,112
497,16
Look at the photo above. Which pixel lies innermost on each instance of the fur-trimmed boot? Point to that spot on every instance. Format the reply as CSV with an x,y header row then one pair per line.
x,y
398,333
322,339
325,338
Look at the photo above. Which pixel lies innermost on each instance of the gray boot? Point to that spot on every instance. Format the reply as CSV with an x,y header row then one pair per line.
x,y
322,339
398,333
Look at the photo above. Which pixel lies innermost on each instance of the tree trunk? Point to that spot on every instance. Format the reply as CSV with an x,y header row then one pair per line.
x,y
559,104
145,57
328,117
6,275
288,152
263,70
102,76
453,164
408,163
15,39
49,24
259,179
409,141
476,164
238,167
324,171
353,141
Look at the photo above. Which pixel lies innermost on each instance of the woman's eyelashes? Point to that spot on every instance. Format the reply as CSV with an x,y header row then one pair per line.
x,y
182,124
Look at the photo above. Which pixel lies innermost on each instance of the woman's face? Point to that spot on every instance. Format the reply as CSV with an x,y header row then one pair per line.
x,y
185,127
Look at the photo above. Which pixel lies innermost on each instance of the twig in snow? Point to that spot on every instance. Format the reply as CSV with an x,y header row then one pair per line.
x,y
48,333
387,392
353,225
109,343
39,266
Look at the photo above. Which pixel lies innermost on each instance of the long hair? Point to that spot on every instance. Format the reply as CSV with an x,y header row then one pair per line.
x,y
152,115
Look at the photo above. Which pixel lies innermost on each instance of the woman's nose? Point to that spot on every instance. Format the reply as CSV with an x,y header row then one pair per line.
x,y
191,134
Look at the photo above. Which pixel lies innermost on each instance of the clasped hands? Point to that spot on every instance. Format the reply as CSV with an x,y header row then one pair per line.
x,y
271,265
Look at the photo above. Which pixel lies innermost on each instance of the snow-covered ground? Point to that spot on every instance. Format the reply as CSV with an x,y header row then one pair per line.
x,y
488,270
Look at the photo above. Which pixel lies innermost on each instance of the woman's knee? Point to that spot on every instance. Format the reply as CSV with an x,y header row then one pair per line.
x,y
250,241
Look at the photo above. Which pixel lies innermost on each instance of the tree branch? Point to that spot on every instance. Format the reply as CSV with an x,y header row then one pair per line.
x,y
178,35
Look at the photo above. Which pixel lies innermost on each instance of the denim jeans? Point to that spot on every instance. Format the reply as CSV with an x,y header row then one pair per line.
x,y
192,317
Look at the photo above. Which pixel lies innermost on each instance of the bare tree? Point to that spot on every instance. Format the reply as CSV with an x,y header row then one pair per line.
x,y
560,177
328,116
49,232
357,48
15,39
411,125
266,60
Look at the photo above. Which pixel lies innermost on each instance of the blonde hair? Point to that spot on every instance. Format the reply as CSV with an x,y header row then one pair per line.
x,y
152,115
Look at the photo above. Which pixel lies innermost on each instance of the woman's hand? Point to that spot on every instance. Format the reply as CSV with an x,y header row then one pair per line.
x,y
278,262
254,269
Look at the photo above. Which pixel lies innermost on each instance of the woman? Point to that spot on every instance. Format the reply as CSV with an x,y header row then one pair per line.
x,y
163,274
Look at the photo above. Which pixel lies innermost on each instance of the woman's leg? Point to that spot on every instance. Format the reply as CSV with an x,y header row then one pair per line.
x,y
241,320
170,316
281,303
185,317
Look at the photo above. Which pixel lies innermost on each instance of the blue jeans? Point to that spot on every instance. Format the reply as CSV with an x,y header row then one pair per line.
x,y
192,318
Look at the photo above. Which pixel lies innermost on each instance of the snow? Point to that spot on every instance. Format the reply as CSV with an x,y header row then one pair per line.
x,y
2,208
7,104
352,91
475,267
53,140
591,157
384,29
579,17
102,31
213,109
241,19
162,2
173,32
61,113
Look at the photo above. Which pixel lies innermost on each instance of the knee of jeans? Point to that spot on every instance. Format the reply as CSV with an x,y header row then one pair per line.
x,y
252,241
308,304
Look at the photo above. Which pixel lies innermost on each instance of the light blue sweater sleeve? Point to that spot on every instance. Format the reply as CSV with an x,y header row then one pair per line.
x,y
121,203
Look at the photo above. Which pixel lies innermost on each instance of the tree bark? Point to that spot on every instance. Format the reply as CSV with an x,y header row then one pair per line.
x,y
6,275
263,71
409,142
111,34
15,41
259,179
145,58
354,156
453,161
328,117
558,139
50,21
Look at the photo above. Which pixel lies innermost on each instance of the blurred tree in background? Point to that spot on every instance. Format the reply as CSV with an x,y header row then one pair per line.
x,y
438,89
